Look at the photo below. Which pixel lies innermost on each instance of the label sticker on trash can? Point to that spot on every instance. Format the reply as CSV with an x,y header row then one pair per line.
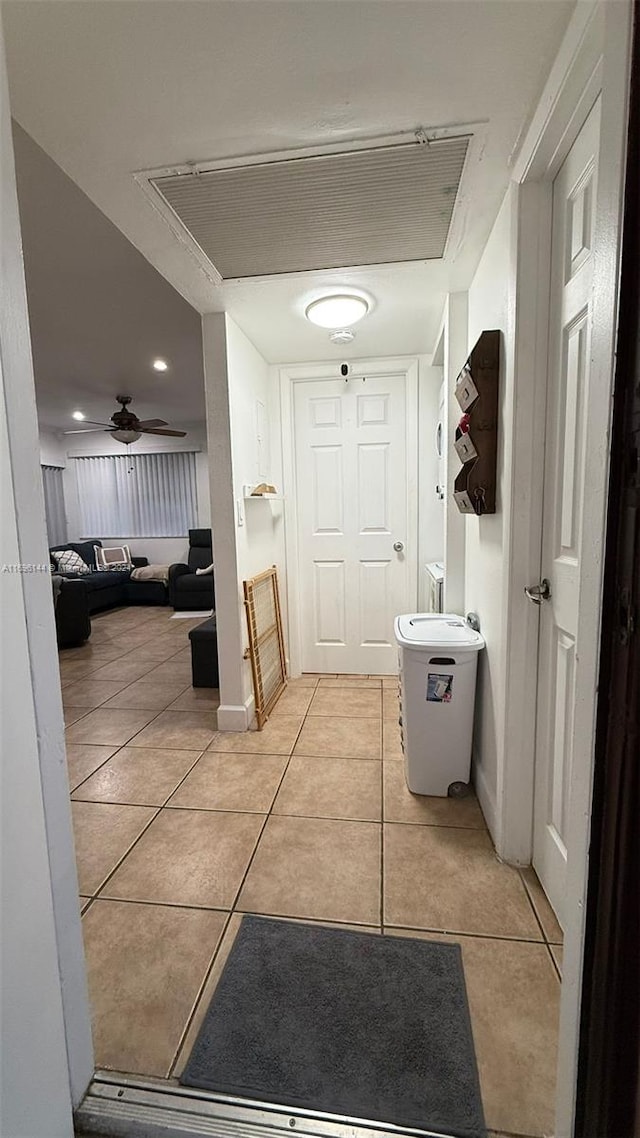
x,y
439,688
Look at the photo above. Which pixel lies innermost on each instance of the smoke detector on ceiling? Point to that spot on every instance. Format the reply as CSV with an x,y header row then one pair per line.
x,y
342,337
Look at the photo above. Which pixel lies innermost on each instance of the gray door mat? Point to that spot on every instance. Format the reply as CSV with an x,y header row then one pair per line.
x,y
347,1023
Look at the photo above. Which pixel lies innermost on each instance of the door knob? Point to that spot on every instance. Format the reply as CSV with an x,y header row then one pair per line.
x,y
538,593
398,546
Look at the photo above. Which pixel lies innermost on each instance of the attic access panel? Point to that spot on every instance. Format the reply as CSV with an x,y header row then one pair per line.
x,y
365,207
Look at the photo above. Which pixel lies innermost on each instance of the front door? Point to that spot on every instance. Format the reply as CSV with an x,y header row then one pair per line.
x,y
355,535
565,459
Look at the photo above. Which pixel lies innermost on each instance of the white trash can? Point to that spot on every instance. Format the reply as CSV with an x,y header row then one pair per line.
x,y
438,663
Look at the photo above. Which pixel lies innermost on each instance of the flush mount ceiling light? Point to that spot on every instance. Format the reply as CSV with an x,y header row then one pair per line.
x,y
342,337
337,311
160,365
78,416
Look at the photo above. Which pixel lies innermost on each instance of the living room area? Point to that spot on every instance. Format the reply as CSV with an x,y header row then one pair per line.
x,y
127,510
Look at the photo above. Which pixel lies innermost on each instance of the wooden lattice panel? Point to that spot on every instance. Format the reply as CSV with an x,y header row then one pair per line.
x,y
266,642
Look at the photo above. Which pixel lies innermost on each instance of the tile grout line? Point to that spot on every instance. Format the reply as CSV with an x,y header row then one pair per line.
x,y
152,904
233,910
267,815
92,671
553,961
533,906
96,895
199,995
393,930
119,748
127,743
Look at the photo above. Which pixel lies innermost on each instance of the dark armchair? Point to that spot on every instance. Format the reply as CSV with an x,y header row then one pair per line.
x,y
189,591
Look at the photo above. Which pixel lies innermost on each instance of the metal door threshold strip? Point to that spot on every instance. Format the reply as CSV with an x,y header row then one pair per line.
x,y
122,1107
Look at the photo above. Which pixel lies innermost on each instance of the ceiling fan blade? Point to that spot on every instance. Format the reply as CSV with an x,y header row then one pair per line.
x,y
143,424
160,431
93,423
87,430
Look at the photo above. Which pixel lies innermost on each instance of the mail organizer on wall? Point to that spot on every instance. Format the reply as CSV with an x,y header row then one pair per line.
x,y
477,433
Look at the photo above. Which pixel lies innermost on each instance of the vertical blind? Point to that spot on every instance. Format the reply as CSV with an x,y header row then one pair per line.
x,y
54,504
140,495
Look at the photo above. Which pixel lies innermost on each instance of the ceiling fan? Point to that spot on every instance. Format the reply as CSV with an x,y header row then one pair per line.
x,y
127,427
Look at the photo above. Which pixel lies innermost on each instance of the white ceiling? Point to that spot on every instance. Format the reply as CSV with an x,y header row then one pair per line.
x,y
99,313
110,88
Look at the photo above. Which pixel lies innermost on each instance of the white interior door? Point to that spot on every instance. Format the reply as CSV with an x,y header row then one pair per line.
x,y
565,459
355,541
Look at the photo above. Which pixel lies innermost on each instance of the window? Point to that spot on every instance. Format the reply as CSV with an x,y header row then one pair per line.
x,y
140,495
54,504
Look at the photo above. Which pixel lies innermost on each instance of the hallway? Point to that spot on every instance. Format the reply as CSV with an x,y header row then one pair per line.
x,y
181,829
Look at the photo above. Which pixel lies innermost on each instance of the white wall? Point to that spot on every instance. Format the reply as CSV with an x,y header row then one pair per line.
x,y
490,306
45,1051
53,451
454,351
56,449
431,509
260,539
249,535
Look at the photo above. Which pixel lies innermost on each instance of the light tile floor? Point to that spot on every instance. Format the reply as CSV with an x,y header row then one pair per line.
x,y
181,829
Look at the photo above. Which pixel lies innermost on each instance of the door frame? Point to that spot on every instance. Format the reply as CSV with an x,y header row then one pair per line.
x,y
289,376
594,60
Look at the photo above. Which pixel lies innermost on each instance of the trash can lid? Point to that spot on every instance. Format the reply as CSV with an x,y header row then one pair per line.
x,y
436,630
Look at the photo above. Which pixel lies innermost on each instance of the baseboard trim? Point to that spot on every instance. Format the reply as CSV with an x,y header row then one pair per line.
x,y
232,717
487,802
237,716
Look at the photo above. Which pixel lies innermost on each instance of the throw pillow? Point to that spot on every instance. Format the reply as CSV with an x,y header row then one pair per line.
x,y
69,562
113,558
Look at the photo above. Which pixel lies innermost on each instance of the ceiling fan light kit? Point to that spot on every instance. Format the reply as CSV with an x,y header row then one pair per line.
x,y
126,427
127,436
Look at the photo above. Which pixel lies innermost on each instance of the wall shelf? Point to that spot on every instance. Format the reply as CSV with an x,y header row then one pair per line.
x,y
477,394
251,497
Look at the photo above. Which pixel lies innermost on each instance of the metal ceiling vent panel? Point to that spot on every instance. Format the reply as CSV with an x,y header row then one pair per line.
x,y
365,207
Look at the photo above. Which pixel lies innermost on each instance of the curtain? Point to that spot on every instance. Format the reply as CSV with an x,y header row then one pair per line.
x,y
54,504
140,495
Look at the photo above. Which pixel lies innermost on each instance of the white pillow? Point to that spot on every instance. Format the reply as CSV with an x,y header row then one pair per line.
x,y
114,557
68,561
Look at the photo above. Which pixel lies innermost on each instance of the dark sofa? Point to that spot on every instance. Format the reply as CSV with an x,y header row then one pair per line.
x,y
115,587
188,591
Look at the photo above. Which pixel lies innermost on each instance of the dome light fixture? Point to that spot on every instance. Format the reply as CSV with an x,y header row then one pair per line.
x,y
78,416
160,365
339,310
126,436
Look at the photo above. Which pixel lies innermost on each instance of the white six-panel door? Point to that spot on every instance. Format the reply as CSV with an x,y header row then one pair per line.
x,y
565,458
352,483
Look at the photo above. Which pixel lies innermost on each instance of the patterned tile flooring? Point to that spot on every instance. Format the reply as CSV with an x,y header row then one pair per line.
x,y
181,829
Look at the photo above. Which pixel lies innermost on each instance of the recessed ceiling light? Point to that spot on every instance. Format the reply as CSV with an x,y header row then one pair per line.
x,y
79,415
160,365
342,337
337,311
